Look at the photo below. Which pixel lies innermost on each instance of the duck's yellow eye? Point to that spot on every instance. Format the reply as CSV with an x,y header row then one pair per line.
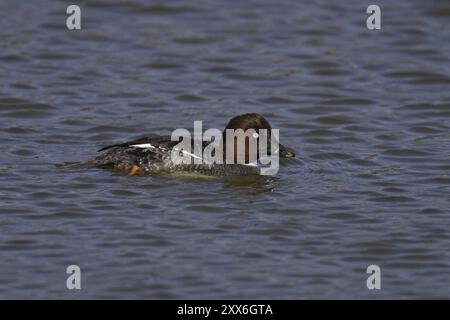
x,y
255,135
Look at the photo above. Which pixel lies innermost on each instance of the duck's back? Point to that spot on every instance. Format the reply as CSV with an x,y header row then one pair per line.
x,y
153,154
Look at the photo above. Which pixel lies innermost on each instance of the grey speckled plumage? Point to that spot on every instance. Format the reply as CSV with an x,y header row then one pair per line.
x,y
157,159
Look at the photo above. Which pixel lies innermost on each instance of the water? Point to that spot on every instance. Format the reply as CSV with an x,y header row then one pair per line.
x,y
367,112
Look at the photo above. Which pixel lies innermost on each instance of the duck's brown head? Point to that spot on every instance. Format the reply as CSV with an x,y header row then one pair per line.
x,y
253,122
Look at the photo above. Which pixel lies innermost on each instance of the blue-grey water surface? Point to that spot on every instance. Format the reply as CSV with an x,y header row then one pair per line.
x,y
367,112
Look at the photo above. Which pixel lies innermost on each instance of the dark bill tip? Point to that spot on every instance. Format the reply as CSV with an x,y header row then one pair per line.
x,y
286,152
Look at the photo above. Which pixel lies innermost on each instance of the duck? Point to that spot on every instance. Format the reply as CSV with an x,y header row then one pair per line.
x,y
155,154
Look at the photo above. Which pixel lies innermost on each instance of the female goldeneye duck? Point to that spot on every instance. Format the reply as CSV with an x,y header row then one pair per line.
x,y
156,154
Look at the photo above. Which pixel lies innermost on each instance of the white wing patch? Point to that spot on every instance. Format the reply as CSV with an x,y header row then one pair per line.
x,y
252,164
144,146
191,155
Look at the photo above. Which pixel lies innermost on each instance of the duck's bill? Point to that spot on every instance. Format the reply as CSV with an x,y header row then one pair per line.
x,y
286,152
